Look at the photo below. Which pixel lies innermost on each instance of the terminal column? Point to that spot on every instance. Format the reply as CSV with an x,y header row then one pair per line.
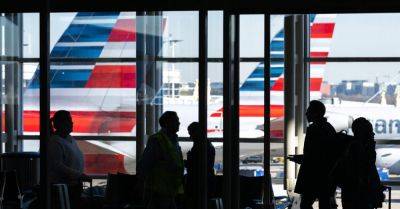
x,y
296,97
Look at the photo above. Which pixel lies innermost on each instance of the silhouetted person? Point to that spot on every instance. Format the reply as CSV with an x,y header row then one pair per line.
x,y
193,161
361,186
162,165
312,182
65,158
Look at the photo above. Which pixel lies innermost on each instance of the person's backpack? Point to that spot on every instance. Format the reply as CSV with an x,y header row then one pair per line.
x,y
341,151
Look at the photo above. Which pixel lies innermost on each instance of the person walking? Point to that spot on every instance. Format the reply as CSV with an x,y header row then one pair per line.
x,y
361,187
313,179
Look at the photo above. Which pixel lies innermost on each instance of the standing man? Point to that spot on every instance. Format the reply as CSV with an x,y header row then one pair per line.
x,y
162,165
313,179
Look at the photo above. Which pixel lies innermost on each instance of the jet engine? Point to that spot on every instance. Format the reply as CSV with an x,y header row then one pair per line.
x,y
339,121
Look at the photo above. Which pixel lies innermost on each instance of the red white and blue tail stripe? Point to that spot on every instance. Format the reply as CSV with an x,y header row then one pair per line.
x,y
100,96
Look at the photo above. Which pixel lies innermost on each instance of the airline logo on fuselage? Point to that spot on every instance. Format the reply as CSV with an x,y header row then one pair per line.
x,y
386,126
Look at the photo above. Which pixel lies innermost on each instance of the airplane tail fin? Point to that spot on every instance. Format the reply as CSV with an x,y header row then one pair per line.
x,y
115,36
321,32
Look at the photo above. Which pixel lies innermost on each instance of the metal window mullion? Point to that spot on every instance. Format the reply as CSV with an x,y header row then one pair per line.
x,y
150,71
268,193
300,91
44,104
227,136
235,116
140,90
159,66
20,83
203,76
9,68
231,111
289,101
306,77
13,77
226,110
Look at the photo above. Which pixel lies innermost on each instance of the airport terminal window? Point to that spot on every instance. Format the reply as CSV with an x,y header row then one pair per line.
x,y
215,34
350,86
215,112
215,100
357,76
104,92
99,158
30,100
251,94
251,36
179,93
19,37
181,34
31,35
356,35
251,90
100,95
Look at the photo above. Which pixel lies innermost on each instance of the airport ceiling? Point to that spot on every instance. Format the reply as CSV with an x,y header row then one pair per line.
x,y
242,6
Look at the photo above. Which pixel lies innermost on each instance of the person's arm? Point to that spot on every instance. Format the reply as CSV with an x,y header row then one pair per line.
x,y
211,157
306,148
57,164
149,157
188,161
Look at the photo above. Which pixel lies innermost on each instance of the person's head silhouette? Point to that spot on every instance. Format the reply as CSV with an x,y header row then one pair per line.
x,y
362,128
62,123
169,121
315,111
194,131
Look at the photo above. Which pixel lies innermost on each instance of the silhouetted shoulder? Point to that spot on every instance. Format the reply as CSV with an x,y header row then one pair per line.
x,y
322,125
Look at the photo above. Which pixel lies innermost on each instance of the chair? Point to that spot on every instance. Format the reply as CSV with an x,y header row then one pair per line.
x,y
60,197
219,186
215,203
123,191
251,191
10,193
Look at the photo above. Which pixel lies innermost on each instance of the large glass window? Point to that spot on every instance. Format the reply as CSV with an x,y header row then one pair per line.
x,y
101,96
180,93
181,34
19,39
356,35
357,76
89,79
31,35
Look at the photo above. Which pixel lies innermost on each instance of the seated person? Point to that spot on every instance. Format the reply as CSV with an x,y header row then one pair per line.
x,y
65,159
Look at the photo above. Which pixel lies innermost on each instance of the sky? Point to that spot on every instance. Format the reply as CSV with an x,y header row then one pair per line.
x,y
355,35
365,35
